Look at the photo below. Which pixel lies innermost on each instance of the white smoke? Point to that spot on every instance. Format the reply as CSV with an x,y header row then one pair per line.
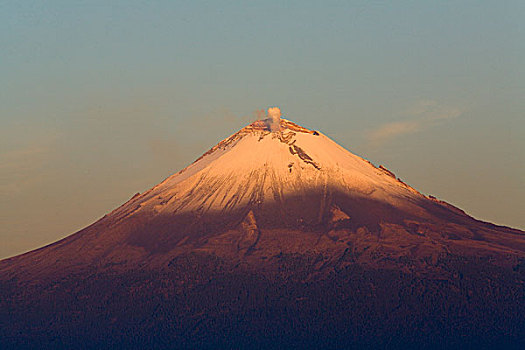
x,y
274,119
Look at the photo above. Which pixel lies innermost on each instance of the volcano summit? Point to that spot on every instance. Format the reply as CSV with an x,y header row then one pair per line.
x,y
275,237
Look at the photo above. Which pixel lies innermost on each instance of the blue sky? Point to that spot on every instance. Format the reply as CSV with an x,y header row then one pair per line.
x,y
103,99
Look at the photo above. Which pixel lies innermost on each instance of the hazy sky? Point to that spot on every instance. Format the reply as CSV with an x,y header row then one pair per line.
x,y
103,99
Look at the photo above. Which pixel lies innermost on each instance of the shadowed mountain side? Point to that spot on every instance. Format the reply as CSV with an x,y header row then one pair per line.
x,y
334,224
201,301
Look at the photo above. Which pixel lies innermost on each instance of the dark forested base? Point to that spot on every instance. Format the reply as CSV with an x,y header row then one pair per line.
x,y
200,301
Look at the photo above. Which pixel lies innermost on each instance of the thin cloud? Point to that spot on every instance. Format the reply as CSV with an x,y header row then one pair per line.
x,y
420,116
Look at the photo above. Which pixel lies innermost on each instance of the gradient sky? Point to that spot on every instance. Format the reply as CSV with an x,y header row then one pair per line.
x,y
103,99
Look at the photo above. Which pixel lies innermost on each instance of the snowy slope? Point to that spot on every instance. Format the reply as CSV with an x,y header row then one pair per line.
x,y
256,165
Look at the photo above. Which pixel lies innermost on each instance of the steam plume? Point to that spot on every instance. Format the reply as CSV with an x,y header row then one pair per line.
x,y
274,119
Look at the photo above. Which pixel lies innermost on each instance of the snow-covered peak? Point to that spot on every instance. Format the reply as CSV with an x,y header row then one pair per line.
x,y
264,126
259,164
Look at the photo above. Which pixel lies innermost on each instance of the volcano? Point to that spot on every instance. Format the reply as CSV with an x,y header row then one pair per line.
x,y
275,237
